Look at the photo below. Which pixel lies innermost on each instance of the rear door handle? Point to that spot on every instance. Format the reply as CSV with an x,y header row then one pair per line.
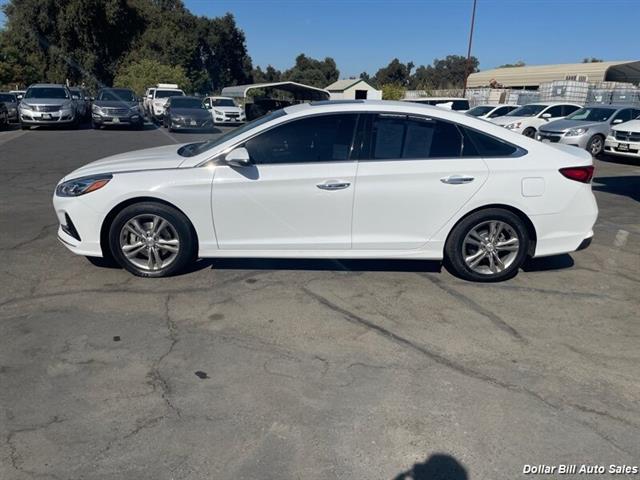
x,y
456,179
331,185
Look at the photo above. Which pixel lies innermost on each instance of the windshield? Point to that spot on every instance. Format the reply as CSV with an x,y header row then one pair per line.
x,y
596,114
120,94
526,111
7,97
223,102
46,92
479,111
185,102
168,93
193,149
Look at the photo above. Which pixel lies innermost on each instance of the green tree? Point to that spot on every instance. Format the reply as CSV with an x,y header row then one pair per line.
x,y
317,73
445,73
396,72
392,91
139,75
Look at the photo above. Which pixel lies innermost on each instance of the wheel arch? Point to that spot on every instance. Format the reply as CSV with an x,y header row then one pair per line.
x,y
108,220
531,229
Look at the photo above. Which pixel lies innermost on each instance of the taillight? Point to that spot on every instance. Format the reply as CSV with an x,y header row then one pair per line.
x,y
579,174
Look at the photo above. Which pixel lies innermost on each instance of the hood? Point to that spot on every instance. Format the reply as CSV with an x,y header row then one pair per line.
x,y
507,120
228,109
191,112
115,103
47,101
148,159
562,125
630,126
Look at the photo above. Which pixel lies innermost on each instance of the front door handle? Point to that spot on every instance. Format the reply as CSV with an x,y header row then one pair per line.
x,y
333,185
456,179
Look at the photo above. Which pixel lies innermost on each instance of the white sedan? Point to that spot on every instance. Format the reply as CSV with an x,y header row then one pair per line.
x,y
529,118
355,179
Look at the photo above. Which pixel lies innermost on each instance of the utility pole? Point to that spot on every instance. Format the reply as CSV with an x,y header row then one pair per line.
x,y
467,66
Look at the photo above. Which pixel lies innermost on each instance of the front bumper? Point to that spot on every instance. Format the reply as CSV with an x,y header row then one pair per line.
x,y
561,137
79,226
621,148
100,119
30,117
188,123
228,118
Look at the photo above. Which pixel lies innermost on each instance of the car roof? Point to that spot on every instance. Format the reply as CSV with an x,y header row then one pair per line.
x,y
495,105
551,104
58,85
188,97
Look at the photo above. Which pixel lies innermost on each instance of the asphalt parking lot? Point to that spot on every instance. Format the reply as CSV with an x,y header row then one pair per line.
x,y
265,369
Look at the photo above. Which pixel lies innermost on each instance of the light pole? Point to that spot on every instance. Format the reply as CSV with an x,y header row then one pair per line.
x,y
467,65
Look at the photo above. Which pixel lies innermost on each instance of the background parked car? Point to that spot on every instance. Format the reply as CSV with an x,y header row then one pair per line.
x,y
624,140
529,118
4,115
159,98
588,127
116,106
491,111
19,94
83,101
185,113
224,110
47,104
11,102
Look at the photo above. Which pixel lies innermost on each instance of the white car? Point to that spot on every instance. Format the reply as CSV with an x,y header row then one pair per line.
x,y
157,99
529,118
624,140
224,110
358,179
491,111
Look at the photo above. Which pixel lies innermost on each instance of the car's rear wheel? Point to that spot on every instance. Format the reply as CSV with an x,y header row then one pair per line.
x,y
529,132
487,246
152,240
595,145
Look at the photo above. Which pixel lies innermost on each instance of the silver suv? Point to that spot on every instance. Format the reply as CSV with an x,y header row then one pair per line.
x,y
588,127
47,104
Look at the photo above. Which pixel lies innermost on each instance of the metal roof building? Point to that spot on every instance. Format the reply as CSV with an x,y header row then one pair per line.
x,y
298,90
532,76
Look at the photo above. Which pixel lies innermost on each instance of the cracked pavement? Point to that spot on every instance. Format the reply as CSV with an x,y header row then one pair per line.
x,y
278,369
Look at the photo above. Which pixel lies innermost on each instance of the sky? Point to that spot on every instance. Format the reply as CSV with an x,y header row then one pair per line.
x,y
364,35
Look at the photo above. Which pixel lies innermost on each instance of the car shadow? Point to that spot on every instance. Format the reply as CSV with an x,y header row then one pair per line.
x,y
620,160
338,265
544,264
625,185
438,466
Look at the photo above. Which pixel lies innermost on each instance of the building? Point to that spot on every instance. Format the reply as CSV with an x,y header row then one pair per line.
x,y
530,77
353,89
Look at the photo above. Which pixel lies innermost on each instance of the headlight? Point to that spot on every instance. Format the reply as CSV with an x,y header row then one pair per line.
x,y
80,186
96,109
134,109
574,132
218,112
25,106
513,126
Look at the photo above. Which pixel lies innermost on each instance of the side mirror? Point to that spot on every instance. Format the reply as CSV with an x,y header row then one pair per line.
x,y
546,115
238,157
149,97
617,120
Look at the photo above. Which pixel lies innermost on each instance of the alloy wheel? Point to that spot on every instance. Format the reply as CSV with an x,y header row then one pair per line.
x,y
595,146
149,242
490,247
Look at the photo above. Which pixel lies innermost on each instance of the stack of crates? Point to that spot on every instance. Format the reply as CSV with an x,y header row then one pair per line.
x,y
564,91
522,97
614,92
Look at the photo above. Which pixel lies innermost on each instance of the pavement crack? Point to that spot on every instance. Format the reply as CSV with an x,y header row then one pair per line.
x,y
442,360
43,233
14,457
476,307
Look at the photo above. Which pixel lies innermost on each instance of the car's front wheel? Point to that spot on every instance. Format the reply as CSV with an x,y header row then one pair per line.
x,y
529,132
152,240
595,145
487,246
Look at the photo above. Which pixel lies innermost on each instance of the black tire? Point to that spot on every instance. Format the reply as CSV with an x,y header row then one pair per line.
x,y
529,132
95,126
455,248
24,127
595,145
181,227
